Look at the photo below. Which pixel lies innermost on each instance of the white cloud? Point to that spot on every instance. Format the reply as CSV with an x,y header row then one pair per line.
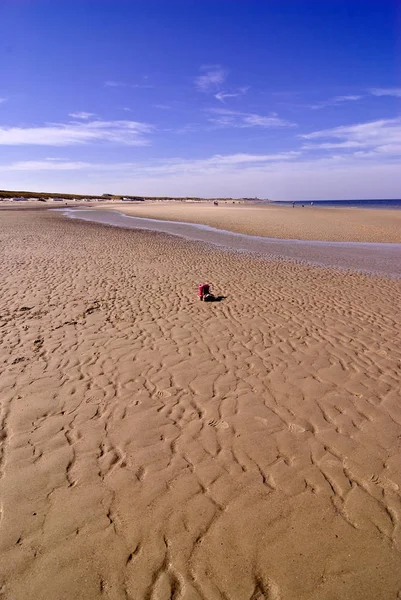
x,y
73,133
211,79
380,137
45,165
386,92
221,96
332,145
335,101
231,118
253,120
141,86
364,132
3,100
240,159
156,168
82,115
162,106
349,98
300,178
114,84
281,177
218,162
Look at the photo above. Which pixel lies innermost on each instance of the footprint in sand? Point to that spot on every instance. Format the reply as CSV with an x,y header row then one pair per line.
x,y
294,428
18,360
218,424
163,394
384,482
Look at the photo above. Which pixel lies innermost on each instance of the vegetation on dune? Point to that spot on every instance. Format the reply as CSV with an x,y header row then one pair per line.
x,y
43,196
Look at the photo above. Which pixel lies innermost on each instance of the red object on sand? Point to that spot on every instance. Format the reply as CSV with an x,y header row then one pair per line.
x,y
203,290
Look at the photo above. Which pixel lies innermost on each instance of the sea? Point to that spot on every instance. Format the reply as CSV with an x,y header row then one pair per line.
x,y
382,203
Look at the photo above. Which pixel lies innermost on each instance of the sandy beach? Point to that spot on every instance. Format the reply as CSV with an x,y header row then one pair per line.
x,y
154,447
308,223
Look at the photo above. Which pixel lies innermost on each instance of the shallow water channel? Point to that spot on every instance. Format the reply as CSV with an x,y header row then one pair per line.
x,y
379,258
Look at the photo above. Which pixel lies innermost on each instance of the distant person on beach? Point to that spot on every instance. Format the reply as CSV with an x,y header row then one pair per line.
x,y
293,205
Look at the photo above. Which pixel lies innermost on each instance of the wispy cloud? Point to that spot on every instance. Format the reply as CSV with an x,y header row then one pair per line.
x,y
218,161
211,79
115,84
187,128
386,92
338,100
122,84
141,86
223,95
71,134
280,176
155,168
348,98
381,137
223,117
162,106
333,145
3,100
45,165
82,115
335,101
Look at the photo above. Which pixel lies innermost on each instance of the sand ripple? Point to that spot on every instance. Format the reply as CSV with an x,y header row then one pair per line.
x,y
156,447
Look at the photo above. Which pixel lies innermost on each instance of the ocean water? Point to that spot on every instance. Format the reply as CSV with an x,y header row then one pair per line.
x,y
381,203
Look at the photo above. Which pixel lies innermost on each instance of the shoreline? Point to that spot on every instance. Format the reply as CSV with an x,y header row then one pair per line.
x,y
150,222
278,222
309,223
370,257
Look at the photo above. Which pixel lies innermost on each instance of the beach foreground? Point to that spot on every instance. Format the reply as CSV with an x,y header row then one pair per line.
x,y
157,447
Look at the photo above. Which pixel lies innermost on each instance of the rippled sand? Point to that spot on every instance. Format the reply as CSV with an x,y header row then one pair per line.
x,y
381,259
308,223
157,447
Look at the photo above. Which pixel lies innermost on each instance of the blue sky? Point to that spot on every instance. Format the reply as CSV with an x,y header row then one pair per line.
x,y
281,99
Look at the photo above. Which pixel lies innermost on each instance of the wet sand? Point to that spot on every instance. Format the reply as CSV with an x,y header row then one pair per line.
x,y
157,447
308,223
370,257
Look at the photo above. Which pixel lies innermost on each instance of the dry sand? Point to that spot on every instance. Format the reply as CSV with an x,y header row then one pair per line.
x,y
155,447
309,223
